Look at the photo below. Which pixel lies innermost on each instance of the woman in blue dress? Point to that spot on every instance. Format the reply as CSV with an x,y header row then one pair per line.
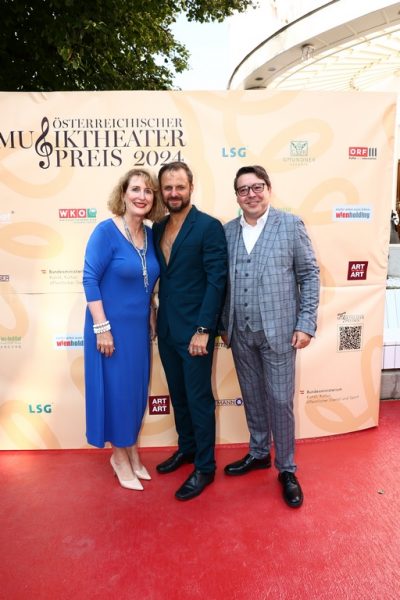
x,y
119,275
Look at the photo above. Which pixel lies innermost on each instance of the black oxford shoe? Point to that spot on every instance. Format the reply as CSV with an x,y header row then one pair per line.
x,y
292,492
246,464
194,485
174,462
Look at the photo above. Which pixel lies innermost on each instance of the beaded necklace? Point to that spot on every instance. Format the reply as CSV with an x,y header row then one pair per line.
x,y
141,252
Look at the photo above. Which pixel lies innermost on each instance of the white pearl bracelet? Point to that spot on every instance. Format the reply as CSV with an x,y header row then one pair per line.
x,y
101,327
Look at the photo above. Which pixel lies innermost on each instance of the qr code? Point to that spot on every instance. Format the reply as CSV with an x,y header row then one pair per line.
x,y
350,338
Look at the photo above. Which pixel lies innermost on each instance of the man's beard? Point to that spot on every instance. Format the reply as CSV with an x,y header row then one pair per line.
x,y
184,202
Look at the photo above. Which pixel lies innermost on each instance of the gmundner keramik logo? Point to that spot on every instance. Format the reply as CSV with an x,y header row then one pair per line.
x,y
101,142
299,153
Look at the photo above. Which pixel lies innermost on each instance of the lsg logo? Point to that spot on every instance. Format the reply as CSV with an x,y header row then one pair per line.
x,y
40,408
233,152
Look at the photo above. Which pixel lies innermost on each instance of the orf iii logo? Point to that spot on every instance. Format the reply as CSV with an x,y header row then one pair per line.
x,y
363,152
40,408
357,270
233,152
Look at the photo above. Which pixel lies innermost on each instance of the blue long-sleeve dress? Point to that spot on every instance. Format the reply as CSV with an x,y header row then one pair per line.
x,y
116,388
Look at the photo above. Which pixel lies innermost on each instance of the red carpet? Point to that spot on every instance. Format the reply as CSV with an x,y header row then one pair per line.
x,y
69,531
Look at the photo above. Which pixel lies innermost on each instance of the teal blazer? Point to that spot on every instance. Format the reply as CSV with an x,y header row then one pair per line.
x,y
192,285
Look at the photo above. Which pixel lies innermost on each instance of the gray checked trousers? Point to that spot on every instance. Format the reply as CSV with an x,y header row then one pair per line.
x,y
266,381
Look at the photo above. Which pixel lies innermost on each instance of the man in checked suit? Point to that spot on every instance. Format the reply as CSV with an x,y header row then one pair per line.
x,y
270,312
191,249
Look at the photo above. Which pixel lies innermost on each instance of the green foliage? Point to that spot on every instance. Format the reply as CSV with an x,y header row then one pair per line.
x,y
48,45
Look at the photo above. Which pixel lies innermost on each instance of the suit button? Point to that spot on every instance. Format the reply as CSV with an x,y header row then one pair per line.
x,y
245,289
246,274
246,304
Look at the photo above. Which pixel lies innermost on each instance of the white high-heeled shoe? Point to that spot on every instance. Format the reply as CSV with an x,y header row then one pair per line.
x,y
142,473
129,484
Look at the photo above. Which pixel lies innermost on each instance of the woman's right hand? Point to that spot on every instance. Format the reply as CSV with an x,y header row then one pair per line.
x,y
105,343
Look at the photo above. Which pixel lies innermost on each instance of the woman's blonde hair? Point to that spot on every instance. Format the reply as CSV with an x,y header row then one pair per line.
x,y
116,202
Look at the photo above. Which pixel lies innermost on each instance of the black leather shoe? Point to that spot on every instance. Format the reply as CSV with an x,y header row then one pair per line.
x,y
174,462
246,464
292,492
194,485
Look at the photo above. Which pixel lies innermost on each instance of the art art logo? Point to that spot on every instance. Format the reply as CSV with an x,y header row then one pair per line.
x,y
357,270
4,278
40,408
78,215
363,152
68,342
159,405
299,153
352,213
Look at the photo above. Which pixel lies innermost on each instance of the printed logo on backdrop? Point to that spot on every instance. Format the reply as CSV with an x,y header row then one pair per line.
x,y
40,408
68,342
327,395
299,153
218,342
101,141
349,332
351,213
4,278
63,276
229,402
5,217
10,342
357,270
233,152
159,405
363,152
77,215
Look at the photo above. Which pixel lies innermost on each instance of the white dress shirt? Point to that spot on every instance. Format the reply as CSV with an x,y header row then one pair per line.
x,y
251,233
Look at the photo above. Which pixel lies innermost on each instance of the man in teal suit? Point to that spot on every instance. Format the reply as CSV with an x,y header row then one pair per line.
x,y
192,252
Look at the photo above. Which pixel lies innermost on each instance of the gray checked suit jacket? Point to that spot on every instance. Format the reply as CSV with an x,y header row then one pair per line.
x,y
288,290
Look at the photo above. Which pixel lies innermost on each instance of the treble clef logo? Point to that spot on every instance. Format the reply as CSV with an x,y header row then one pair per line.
x,y
42,147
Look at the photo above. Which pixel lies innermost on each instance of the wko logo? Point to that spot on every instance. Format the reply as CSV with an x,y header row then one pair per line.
x,y
363,152
77,213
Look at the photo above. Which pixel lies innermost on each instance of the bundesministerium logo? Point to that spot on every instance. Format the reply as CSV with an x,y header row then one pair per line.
x,y
102,142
